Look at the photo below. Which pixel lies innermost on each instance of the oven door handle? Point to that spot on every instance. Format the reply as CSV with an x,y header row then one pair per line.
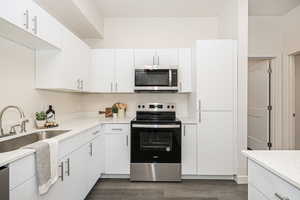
x,y
156,126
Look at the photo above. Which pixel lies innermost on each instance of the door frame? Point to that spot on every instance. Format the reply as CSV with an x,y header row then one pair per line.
x,y
275,118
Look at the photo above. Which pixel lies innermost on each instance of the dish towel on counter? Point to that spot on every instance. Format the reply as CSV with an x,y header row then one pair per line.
x,y
46,163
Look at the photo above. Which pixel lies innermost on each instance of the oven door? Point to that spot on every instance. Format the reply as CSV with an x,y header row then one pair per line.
x,y
160,143
156,79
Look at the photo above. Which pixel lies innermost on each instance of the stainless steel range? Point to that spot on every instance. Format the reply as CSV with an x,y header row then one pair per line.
x,y
155,143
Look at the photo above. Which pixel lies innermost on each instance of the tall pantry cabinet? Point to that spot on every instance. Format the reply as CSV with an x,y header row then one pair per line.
x,y
214,102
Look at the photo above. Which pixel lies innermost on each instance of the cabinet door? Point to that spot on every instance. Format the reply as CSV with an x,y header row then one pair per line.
x,y
45,26
216,144
102,70
144,57
254,194
189,150
167,57
117,153
124,71
185,70
16,12
217,72
26,191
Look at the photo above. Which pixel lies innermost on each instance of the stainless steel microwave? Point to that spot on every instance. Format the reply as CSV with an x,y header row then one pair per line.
x,y
156,79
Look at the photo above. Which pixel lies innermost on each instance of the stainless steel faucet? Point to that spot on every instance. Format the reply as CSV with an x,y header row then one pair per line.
x,y
22,123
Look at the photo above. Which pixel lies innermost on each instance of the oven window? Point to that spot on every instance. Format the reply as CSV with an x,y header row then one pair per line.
x,y
156,141
152,77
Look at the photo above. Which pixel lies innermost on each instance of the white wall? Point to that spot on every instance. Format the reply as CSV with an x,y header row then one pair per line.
x,y
155,32
17,85
297,102
265,36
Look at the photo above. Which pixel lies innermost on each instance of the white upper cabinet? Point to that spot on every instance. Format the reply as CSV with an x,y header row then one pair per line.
x,y
124,71
216,74
144,57
185,70
26,23
167,57
112,71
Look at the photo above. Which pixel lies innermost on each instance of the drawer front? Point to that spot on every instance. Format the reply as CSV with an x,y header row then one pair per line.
x,y
269,184
116,128
254,194
21,171
26,191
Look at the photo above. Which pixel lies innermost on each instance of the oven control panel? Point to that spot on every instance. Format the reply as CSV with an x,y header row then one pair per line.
x,y
157,107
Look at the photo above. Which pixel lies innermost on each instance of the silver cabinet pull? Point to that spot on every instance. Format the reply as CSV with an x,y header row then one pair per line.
x,y
117,129
91,149
116,87
35,21
199,108
153,60
78,84
158,60
96,132
26,14
180,86
127,140
184,130
111,87
281,197
61,171
68,166
81,83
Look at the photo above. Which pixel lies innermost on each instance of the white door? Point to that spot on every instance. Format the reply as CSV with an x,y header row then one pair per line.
x,y
189,150
45,26
144,57
117,153
258,101
216,144
102,70
185,70
95,161
124,71
167,57
27,190
17,12
216,74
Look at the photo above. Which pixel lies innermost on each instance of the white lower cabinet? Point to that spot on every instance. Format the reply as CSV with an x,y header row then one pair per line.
x,y
26,191
254,194
117,150
189,150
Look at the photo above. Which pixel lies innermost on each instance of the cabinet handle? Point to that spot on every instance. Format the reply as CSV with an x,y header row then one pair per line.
x,y
81,84
91,149
281,197
68,166
158,60
61,171
116,87
111,87
117,129
35,19
96,132
199,108
184,130
153,60
26,14
126,140
78,84
180,86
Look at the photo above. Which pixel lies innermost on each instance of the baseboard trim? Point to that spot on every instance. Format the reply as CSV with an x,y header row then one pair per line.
x,y
116,176
241,179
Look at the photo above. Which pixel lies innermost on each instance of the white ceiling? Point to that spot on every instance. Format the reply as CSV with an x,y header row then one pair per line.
x,y
271,7
188,8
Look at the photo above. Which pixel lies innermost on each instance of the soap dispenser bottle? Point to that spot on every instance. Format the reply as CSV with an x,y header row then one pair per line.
x,y
50,115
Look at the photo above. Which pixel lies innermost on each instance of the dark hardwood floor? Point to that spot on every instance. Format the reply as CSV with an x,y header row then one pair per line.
x,y
115,189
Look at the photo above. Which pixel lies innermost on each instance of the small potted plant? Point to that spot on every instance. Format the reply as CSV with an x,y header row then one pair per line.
x,y
40,119
115,111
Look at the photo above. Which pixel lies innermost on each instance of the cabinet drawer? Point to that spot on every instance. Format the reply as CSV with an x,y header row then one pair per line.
x,y
21,170
269,184
26,191
254,194
116,128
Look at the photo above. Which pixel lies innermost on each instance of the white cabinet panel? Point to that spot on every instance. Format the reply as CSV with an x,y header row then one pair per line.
x,y
189,150
254,194
216,73
144,57
167,57
117,153
26,191
185,70
102,71
216,144
124,71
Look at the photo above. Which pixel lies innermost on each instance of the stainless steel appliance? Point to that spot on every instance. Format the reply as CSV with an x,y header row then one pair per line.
x,y
156,79
4,183
155,144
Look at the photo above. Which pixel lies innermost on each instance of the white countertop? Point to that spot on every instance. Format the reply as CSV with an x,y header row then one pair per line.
x,y
285,164
76,125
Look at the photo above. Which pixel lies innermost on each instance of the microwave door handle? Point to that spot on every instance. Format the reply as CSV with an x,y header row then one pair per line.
x,y
170,77
156,126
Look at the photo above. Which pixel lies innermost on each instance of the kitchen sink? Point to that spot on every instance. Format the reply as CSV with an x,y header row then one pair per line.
x,y
16,143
